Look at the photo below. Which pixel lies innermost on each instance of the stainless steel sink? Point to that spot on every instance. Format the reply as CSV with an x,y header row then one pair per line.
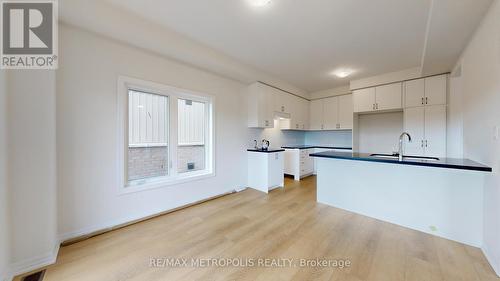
x,y
395,157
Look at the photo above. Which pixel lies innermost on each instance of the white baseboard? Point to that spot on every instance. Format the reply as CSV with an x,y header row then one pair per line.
x,y
492,259
34,263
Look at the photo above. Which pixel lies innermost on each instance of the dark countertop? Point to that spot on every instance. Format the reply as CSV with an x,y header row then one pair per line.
x,y
303,146
269,150
450,163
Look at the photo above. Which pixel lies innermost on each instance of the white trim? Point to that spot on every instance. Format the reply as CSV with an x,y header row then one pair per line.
x,y
137,145
492,259
191,144
25,266
124,84
162,182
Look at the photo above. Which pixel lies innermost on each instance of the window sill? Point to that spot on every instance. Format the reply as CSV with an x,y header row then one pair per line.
x,y
139,185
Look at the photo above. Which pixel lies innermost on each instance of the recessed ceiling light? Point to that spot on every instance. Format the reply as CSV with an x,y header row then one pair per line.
x,y
342,73
259,3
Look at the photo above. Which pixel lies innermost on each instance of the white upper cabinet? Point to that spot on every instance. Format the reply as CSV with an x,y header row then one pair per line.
x,y
330,113
316,115
345,112
334,113
363,100
260,106
299,114
388,97
415,93
426,91
435,90
296,114
305,114
283,102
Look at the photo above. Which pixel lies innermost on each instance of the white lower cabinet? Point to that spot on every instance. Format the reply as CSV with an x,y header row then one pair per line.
x,y
298,163
427,127
265,170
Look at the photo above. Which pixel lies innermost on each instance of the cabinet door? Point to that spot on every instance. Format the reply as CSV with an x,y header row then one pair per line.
x,y
265,105
435,90
306,162
363,100
414,93
435,131
414,122
260,109
305,114
388,97
345,112
282,101
330,113
295,113
316,115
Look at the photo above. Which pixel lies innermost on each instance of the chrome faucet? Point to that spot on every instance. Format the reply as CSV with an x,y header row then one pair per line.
x,y
401,139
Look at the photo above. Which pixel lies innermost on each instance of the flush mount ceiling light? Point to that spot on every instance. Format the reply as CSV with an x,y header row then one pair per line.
x,y
342,73
259,3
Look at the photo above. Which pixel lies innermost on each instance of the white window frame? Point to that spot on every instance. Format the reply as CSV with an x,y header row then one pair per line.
x,y
128,83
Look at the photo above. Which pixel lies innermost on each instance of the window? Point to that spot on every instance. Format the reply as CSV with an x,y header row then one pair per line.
x,y
166,133
191,134
148,135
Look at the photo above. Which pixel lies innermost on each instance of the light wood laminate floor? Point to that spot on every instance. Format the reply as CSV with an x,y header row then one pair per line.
x,y
287,223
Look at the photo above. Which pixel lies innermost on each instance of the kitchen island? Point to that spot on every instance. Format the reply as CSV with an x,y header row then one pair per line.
x,y
442,197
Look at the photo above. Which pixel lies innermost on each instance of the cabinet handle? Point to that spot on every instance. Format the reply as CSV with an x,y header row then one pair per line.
x,y
426,100
422,100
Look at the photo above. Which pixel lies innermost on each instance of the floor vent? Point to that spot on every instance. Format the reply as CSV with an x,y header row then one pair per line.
x,y
38,276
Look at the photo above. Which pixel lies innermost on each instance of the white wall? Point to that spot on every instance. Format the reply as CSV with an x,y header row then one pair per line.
x,y
4,229
379,133
32,167
87,128
481,113
454,118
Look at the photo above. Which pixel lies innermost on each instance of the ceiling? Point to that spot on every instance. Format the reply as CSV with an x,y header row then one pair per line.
x,y
302,42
